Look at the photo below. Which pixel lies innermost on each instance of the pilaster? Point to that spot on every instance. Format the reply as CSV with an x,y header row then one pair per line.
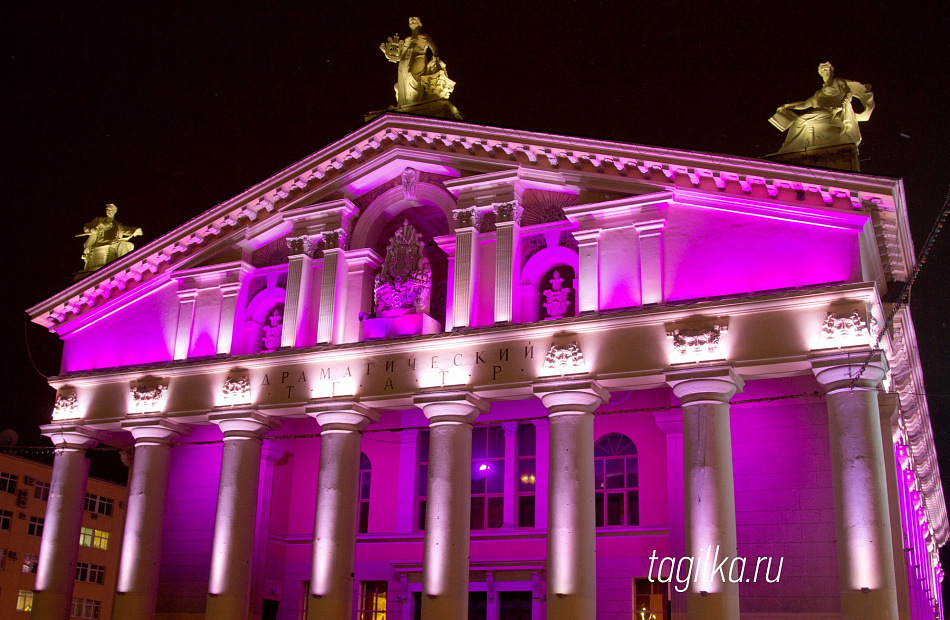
x,y
332,289
651,260
361,268
588,270
186,316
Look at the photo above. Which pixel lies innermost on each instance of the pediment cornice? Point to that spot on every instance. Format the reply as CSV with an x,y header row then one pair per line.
x,y
578,161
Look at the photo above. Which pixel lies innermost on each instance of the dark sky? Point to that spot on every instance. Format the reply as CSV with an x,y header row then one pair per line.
x,y
169,108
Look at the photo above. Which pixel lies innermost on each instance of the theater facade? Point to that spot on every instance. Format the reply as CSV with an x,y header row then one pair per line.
x,y
444,370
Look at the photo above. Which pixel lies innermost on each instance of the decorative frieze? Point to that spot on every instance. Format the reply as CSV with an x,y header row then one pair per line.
x,y
564,357
840,330
147,397
698,343
237,389
67,404
470,217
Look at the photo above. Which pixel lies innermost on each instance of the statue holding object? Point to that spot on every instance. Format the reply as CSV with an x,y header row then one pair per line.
x,y
827,118
418,79
106,240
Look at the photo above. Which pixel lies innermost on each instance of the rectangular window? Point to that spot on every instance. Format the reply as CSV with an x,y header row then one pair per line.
x,y
372,600
41,491
30,561
8,482
85,608
525,486
6,518
97,539
90,573
651,600
3,559
422,479
24,600
488,477
36,526
99,504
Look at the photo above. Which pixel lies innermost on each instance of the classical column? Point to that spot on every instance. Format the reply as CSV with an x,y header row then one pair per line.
x,y
708,485
572,535
299,272
332,288
507,258
271,452
588,270
862,521
59,547
233,544
229,294
186,316
137,584
671,423
448,503
337,514
651,261
466,266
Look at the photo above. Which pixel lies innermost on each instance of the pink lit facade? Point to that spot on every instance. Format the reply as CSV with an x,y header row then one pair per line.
x,y
627,353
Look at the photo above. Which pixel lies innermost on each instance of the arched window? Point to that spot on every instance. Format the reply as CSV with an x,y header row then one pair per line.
x,y
616,482
365,474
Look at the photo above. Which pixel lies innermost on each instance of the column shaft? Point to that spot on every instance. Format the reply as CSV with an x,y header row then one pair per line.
x,y
235,516
59,547
572,534
137,584
448,504
337,514
298,294
708,487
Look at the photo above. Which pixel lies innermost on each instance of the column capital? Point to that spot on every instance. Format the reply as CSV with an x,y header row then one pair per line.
x,y
650,227
342,415
670,422
72,436
571,397
242,423
836,372
453,407
696,386
155,431
510,427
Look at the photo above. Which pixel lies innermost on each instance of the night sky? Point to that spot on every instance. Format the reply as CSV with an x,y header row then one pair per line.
x,y
168,108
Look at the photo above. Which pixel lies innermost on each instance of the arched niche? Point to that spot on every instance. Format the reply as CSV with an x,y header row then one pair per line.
x,y
532,279
391,203
252,327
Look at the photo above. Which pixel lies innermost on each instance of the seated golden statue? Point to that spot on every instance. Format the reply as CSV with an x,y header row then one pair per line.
x,y
827,118
106,240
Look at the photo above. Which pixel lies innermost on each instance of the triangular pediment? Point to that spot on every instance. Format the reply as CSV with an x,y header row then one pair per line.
x,y
344,178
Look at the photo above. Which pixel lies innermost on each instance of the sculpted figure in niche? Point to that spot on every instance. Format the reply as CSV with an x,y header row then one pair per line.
x,y
827,118
418,79
107,239
405,283
272,331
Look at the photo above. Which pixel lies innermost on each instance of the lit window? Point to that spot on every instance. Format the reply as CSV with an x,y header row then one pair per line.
x,y
85,608
90,573
30,562
616,481
24,600
97,539
650,600
7,482
36,526
372,600
526,474
488,477
365,477
41,491
422,478
6,517
99,504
